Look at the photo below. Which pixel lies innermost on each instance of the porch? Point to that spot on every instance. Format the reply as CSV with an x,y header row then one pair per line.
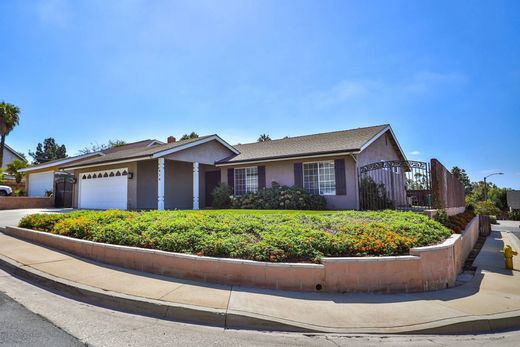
x,y
166,184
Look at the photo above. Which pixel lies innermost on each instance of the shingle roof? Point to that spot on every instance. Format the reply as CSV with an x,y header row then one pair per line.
x,y
513,199
134,153
337,141
324,143
69,161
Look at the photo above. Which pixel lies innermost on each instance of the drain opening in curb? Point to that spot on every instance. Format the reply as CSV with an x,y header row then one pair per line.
x,y
318,287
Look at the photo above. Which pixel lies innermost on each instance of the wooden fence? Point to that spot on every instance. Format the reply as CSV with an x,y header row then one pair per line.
x,y
447,190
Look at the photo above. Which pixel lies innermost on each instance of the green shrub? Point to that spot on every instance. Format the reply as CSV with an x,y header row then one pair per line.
x,y
265,235
456,223
280,197
486,208
222,196
514,215
441,216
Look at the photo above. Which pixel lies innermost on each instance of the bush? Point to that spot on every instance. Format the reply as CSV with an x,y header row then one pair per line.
x,y
19,192
257,235
222,196
280,197
456,223
514,215
441,217
486,208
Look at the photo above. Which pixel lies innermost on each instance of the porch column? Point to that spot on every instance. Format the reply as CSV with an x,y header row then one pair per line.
x,y
195,185
160,185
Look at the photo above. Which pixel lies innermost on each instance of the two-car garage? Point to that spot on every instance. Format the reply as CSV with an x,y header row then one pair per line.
x,y
106,189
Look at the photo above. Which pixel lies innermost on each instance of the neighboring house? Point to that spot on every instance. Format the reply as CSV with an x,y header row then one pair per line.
x,y
513,200
182,174
10,155
40,178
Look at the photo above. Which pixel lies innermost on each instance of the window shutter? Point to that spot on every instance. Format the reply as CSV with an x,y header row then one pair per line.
x,y
298,175
339,171
261,177
231,178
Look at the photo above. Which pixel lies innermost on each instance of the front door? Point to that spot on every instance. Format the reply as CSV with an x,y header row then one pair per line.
x,y
212,181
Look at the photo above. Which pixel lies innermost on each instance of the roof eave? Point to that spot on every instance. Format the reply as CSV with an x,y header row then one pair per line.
x,y
289,157
108,162
59,163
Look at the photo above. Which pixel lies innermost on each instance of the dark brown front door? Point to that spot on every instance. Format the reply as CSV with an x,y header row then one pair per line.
x,y
212,181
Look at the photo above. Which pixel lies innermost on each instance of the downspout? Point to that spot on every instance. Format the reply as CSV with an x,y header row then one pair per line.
x,y
356,178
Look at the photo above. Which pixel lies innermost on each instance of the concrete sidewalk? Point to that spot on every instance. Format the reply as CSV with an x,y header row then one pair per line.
x,y
489,302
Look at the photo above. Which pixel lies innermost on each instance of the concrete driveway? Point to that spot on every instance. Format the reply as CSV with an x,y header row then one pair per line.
x,y
508,226
12,217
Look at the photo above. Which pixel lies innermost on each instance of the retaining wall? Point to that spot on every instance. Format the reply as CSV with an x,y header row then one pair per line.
x,y
15,202
426,268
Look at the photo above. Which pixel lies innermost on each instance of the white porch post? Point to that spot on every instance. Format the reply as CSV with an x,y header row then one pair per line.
x,y
195,185
160,185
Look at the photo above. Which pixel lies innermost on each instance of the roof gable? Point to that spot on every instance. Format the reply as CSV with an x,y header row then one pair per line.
x,y
151,152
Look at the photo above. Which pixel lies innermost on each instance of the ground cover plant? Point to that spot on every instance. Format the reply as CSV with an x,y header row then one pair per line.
x,y
265,235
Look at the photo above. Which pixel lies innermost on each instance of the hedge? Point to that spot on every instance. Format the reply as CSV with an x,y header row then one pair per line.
x,y
256,235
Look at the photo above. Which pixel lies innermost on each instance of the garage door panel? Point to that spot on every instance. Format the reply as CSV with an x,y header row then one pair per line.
x,y
40,183
109,190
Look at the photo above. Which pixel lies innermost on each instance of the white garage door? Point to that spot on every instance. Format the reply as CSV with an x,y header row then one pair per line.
x,y
103,190
40,183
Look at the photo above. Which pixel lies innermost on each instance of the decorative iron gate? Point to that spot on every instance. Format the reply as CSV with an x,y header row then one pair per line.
x,y
400,185
63,187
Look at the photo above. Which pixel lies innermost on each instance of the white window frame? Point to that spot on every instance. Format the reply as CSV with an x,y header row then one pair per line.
x,y
319,179
246,190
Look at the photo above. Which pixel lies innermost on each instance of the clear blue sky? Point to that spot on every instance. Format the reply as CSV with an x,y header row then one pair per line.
x,y
444,74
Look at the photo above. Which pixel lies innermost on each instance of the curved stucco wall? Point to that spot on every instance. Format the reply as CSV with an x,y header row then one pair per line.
x,y
426,268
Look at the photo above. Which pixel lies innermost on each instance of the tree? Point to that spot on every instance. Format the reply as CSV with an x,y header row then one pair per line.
x,y
96,148
193,135
463,178
9,119
50,150
13,168
499,197
263,138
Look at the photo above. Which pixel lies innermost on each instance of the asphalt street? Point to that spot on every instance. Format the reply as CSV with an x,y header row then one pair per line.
x,y
21,327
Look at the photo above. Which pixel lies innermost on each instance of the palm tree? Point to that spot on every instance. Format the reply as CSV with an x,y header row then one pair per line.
x,y
263,138
9,118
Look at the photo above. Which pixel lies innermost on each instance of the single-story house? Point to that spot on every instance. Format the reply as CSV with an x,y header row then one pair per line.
x,y
513,200
40,179
10,155
182,174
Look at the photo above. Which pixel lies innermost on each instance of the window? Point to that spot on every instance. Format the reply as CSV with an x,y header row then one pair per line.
x,y
319,178
246,180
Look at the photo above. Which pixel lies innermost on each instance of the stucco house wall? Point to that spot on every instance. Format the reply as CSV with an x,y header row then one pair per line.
x,y
206,153
282,172
147,184
380,149
9,157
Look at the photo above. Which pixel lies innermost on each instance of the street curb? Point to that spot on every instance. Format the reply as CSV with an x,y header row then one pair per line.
x,y
232,319
137,305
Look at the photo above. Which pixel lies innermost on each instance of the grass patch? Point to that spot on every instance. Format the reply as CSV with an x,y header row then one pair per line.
x,y
264,235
